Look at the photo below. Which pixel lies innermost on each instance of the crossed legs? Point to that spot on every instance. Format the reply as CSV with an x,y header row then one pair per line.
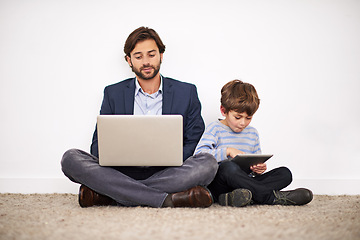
x,y
230,177
82,167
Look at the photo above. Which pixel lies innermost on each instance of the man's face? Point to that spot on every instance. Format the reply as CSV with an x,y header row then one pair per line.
x,y
145,59
236,121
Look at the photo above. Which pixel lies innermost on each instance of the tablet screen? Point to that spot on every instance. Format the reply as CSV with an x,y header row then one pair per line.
x,y
247,160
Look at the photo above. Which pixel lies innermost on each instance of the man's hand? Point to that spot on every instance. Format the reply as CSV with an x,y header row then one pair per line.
x,y
232,152
259,168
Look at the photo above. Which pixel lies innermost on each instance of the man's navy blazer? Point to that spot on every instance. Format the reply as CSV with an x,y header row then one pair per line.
x,y
178,98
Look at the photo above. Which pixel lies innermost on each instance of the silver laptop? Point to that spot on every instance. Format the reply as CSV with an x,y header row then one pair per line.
x,y
136,140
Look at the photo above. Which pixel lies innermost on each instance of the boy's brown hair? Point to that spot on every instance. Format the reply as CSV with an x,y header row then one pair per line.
x,y
141,34
239,97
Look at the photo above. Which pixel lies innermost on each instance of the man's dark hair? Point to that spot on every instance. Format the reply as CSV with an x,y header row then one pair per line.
x,y
141,34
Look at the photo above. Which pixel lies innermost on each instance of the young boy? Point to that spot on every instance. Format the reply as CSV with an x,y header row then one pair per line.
x,y
226,138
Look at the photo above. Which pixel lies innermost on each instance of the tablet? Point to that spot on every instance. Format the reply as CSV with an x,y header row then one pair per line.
x,y
247,160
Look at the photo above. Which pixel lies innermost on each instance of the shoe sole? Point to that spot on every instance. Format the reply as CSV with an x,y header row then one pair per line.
x,y
84,194
237,198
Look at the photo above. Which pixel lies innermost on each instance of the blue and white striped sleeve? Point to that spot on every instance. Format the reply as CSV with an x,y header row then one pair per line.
x,y
208,144
257,148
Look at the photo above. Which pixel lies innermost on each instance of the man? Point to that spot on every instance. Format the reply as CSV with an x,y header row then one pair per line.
x,y
147,93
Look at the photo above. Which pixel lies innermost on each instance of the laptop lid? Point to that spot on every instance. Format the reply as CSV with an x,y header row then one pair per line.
x,y
140,140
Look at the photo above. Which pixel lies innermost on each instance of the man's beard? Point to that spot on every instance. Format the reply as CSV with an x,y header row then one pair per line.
x,y
143,76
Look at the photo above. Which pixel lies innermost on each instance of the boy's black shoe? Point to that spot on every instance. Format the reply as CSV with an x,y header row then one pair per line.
x,y
238,198
299,196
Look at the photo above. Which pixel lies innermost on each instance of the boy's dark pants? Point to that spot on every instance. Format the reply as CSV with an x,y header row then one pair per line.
x,y
230,177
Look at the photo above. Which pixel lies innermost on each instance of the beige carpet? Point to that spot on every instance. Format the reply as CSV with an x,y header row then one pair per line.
x,y
58,216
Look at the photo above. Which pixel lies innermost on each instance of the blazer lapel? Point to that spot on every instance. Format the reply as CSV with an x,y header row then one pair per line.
x,y
129,95
167,97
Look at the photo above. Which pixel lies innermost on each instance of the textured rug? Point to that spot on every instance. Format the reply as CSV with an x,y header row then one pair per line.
x,y
58,216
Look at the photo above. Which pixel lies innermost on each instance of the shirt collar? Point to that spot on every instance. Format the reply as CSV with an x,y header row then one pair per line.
x,y
138,87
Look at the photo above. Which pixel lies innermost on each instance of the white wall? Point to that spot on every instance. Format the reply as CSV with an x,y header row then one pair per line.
x,y
303,56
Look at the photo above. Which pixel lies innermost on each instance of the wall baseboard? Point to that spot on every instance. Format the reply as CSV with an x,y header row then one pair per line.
x,y
63,185
37,185
328,186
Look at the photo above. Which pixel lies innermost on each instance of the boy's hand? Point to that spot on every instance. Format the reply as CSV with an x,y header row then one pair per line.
x,y
259,168
232,152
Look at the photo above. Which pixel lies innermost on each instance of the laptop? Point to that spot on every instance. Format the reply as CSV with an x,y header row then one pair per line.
x,y
140,140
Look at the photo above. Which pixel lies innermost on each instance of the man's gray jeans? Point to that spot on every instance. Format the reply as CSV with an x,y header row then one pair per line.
x,y
82,167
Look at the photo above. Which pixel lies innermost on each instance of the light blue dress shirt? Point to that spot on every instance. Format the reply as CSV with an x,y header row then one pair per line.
x,y
147,104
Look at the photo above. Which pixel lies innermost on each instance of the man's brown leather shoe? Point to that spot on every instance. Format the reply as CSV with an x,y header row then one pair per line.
x,y
194,197
88,198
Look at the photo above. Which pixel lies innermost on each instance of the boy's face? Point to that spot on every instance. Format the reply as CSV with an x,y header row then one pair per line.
x,y
236,121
